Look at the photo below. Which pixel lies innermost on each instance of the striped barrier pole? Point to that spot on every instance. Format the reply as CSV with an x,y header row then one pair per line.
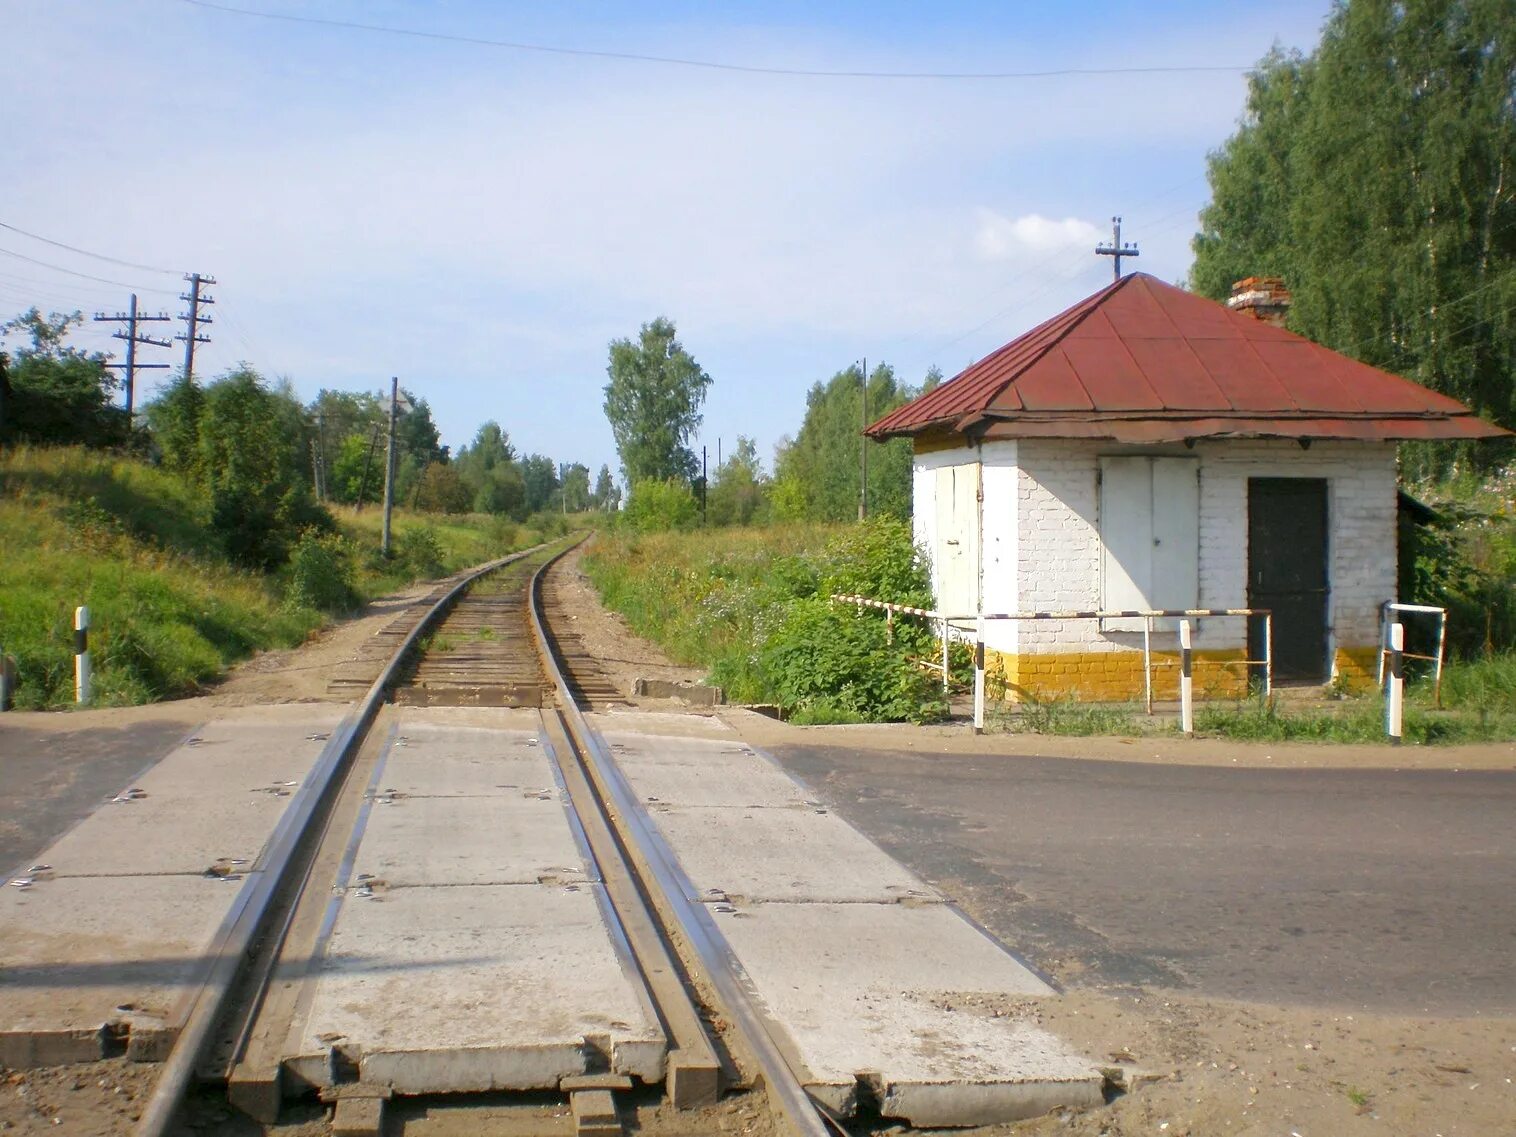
x,y
1394,696
979,675
82,677
1186,682
7,681
1147,662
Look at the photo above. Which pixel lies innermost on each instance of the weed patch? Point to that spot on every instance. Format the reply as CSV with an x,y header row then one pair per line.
x,y
752,606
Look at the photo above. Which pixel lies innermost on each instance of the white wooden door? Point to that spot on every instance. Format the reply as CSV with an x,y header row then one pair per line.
x,y
956,554
1149,536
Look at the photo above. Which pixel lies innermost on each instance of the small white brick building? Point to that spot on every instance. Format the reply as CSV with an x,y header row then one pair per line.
x,y
1150,449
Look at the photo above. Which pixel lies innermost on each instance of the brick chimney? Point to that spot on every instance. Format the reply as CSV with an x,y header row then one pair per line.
x,y
1261,297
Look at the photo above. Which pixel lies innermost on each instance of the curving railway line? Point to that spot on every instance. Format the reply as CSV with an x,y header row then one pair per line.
x,y
497,637
480,878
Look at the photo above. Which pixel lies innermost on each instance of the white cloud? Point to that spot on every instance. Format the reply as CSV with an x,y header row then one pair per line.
x,y
1001,238
375,206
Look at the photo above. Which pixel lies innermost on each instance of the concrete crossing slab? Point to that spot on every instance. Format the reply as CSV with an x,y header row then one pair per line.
x,y
474,988
441,841
112,933
675,775
473,949
84,958
881,1001
804,855
168,834
867,974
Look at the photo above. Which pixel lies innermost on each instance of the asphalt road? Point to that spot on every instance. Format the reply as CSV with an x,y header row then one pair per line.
x,y
50,779
1371,889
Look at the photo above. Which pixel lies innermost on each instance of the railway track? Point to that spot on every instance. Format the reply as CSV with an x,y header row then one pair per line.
x,y
499,637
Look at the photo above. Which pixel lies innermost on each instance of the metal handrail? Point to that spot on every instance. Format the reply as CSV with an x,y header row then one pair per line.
x,y
977,620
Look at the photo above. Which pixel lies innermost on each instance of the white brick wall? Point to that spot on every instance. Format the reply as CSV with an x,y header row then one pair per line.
x,y
1042,549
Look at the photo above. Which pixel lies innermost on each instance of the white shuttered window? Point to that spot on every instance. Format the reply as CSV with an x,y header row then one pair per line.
x,y
1149,536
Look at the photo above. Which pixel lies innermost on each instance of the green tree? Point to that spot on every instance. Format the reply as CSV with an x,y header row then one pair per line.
x,y
1376,176
173,420
540,474
607,495
251,446
739,488
817,473
502,489
57,393
574,486
441,489
657,504
653,404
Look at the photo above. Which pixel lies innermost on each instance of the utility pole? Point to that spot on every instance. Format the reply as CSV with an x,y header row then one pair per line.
x,y
193,319
318,455
863,444
131,318
1116,250
704,485
368,461
389,464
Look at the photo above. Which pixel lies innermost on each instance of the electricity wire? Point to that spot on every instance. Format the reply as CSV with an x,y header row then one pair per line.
x,y
85,275
713,65
86,252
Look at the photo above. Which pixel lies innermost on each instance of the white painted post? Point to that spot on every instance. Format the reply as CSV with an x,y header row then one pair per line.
x,y
1384,640
1442,650
82,685
1394,696
1186,682
1147,661
979,675
944,655
1268,658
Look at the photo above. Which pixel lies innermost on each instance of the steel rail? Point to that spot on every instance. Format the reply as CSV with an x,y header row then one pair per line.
x,y
276,868
661,880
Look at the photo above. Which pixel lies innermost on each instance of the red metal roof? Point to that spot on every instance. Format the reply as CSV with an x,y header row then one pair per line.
x,y
1143,361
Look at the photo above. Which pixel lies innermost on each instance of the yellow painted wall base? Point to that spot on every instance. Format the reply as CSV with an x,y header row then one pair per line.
x,y
1357,668
1110,676
1116,676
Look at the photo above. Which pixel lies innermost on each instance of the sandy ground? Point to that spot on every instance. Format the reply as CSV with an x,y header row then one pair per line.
x,y
1217,1067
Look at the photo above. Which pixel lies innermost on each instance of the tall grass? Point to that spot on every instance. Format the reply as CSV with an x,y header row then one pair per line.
x,y
751,606
703,597
169,612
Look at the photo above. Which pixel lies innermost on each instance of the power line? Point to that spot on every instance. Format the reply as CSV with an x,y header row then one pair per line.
x,y
131,318
193,319
84,275
708,64
86,252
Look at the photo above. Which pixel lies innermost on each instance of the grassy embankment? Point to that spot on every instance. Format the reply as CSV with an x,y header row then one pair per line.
x,y
169,612
734,601
750,606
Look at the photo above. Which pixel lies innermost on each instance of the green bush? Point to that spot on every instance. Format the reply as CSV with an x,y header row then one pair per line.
x,y
836,664
419,552
754,607
656,506
322,575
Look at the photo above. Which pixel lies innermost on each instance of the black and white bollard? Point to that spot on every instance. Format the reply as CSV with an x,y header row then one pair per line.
x,y
81,655
1394,692
979,675
1186,682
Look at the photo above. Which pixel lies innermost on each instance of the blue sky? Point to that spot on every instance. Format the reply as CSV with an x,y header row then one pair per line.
x,y
483,221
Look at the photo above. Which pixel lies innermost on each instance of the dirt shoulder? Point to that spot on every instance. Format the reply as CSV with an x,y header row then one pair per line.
x,y
959,738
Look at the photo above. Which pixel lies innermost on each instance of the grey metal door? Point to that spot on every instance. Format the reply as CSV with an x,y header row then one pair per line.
x,y
1287,573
